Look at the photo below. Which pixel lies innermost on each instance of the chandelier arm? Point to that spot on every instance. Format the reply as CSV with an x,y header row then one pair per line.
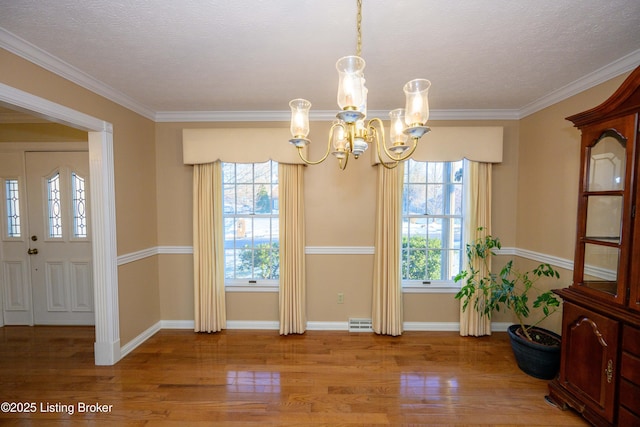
x,y
409,153
393,157
326,154
341,165
308,161
390,165
376,139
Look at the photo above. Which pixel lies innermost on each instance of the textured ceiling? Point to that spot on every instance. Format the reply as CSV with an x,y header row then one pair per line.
x,y
256,55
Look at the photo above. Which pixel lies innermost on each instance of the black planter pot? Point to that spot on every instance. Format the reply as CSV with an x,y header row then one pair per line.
x,y
539,361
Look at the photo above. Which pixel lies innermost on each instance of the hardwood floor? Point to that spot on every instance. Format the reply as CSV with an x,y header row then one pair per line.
x,y
258,378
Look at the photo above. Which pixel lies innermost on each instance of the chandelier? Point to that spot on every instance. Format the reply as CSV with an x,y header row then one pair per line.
x,y
349,135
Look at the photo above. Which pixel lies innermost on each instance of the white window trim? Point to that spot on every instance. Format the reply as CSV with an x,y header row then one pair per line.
x,y
438,286
4,212
432,287
250,285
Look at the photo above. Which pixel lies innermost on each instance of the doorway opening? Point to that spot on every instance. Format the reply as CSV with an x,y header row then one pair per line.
x,y
103,220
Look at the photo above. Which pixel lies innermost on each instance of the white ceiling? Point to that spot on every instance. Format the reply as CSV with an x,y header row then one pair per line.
x,y
199,58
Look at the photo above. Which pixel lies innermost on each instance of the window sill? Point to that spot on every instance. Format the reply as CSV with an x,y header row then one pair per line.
x,y
432,288
273,288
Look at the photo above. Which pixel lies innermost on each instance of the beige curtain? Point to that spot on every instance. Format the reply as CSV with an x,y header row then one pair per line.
x,y
387,284
208,248
478,206
293,317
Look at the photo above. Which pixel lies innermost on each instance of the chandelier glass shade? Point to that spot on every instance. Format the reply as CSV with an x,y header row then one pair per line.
x,y
351,134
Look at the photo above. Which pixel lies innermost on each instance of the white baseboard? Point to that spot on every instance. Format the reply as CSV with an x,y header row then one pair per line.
x,y
137,341
431,326
448,326
177,324
500,326
274,325
253,324
327,326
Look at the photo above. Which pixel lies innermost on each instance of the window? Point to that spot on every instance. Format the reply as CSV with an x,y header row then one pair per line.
x,y
12,196
251,233
59,213
432,219
79,206
54,208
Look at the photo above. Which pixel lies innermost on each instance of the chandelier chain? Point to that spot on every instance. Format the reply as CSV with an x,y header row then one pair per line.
x,y
359,27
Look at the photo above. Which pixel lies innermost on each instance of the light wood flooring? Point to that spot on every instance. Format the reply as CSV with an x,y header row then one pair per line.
x,y
258,378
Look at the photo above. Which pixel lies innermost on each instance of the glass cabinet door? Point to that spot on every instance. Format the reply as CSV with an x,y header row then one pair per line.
x,y
604,208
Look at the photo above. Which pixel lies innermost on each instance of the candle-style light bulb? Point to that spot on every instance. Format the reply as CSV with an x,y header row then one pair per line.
x,y
300,117
417,105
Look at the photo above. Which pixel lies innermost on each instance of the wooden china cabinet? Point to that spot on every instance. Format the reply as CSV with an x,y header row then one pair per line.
x,y
600,367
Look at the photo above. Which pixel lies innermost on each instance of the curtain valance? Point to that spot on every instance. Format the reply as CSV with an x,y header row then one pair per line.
x,y
238,145
448,144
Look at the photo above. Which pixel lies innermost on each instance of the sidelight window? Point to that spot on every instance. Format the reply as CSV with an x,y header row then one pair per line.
x,y
12,195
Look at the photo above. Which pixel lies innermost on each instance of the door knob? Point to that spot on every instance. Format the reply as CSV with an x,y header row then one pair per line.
x,y
32,251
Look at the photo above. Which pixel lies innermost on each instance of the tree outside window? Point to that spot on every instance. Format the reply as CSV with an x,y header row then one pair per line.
x,y
251,223
432,218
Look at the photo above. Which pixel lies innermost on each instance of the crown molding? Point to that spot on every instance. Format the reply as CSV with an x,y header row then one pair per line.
x,y
623,65
474,114
224,116
321,115
34,54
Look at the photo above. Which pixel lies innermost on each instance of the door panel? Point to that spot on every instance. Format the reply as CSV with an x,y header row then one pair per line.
x,y
17,299
15,289
60,245
81,286
589,369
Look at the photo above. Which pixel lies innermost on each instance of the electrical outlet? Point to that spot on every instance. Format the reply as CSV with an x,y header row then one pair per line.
x,y
340,298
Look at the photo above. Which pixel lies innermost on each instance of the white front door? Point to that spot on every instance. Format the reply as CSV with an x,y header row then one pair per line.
x,y
14,263
59,245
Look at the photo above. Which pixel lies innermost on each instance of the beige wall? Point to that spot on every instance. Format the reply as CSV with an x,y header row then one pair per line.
x,y
548,172
40,132
534,202
135,182
547,186
340,211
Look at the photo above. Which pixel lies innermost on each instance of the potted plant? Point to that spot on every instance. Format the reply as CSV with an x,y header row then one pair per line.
x,y
537,350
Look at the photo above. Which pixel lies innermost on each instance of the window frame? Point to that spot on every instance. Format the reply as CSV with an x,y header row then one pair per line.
x,y
79,199
250,284
4,210
435,286
55,212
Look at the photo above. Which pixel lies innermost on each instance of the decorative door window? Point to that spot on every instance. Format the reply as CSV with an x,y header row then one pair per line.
x,y
57,218
12,195
79,206
55,211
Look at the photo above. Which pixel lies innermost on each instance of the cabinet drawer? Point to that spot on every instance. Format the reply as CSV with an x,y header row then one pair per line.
x,y
630,368
631,340
630,396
